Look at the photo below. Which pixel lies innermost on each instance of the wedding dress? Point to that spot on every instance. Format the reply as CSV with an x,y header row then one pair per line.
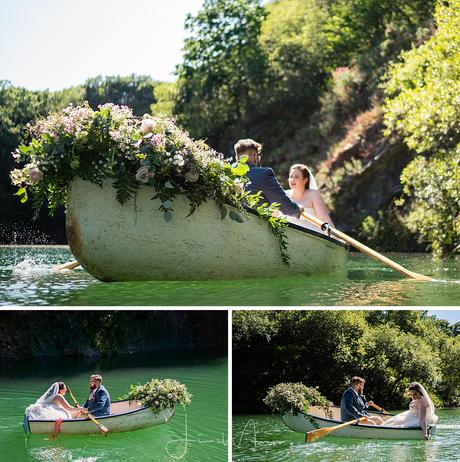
x,y
412,417
303,221
45,409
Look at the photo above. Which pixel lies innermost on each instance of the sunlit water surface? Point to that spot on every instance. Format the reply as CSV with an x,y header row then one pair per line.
x,y
195,434
27,278
261,438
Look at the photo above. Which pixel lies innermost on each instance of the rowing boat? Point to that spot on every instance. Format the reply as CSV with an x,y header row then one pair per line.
x,y
318,418
124,416
133,242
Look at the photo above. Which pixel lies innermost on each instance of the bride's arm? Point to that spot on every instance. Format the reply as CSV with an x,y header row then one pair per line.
x,y
61,401
422,412
320,207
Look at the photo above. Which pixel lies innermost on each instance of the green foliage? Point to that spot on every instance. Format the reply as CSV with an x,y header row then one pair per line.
x,y
223,69
423,108
165,94
294,397
134,91
390,349
433,190
159,394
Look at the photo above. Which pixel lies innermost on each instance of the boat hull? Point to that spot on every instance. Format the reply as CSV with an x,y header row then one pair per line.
x,y
128,421
133,242
304,423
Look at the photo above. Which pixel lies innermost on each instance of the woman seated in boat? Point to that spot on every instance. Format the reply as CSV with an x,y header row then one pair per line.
x,y
52,405
304,191
420,413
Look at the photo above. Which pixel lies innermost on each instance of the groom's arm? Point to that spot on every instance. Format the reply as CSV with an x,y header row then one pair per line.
x,y
273,192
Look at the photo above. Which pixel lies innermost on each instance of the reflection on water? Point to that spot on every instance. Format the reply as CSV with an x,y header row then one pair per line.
x,y
203,424
266,439
27,278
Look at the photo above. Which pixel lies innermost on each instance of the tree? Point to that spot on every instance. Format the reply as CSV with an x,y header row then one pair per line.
x,y
223,73
134,91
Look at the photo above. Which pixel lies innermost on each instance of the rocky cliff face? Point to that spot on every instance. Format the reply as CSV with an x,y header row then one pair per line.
x,y
95,333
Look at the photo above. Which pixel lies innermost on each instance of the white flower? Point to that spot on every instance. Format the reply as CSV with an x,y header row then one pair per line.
x,y
147,125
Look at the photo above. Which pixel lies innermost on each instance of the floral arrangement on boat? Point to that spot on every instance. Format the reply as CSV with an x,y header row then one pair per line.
x,y
294,397
159,394
112,143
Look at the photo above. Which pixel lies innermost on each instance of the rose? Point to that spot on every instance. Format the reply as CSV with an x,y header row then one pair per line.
x,y
143,174
191,176
35,175
170,395
147,125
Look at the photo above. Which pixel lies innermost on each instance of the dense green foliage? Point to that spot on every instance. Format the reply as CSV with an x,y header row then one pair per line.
x,y
424,108
325,349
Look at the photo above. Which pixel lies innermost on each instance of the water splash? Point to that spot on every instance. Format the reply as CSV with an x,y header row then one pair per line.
x,y
29,268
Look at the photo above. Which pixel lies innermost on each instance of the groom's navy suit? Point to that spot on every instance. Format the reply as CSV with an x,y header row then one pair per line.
x,y
263,179
352,405
98,404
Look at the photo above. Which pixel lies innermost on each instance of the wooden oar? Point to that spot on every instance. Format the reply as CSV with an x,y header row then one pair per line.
x,y
363,248
316,434
378,408
66,266
104,430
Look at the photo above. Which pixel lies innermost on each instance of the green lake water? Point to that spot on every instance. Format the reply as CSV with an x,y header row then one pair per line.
x,y
263,438
27,278
196,434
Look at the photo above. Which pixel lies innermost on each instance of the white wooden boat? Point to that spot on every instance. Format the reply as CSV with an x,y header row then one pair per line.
x,y
125,416
133,242
317,418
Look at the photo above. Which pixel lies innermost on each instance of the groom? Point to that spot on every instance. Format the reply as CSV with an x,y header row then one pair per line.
x,y
354,405
98,402
263,178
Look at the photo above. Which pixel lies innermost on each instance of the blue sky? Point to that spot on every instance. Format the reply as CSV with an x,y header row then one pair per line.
x,y
59,43
452,316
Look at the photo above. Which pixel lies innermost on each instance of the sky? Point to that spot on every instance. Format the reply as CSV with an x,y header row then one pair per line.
x,y
56,44
453,316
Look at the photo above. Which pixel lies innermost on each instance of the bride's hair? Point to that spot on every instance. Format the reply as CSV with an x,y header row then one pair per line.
x,y
414,386
61,385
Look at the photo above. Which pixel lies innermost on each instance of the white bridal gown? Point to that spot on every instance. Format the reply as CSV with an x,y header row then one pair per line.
x,y
411,418
45,409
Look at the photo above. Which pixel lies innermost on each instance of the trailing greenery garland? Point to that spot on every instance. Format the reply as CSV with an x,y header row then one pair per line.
x,y
112,143
159,394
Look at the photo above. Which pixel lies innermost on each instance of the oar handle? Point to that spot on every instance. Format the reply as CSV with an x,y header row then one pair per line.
x,y
363,248
372,404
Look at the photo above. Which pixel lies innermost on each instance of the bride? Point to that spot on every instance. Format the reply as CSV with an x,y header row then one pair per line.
x,y
305,192
52,405
420,413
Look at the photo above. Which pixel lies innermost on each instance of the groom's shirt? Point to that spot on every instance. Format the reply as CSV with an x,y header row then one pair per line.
x,y
98,402
352,405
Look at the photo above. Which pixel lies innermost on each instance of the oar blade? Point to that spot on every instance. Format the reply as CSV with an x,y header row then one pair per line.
x,y
314,435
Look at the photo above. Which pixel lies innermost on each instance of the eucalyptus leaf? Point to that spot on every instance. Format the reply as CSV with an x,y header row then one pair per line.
x,y
236,216
223,212
167,216
169,185
167,204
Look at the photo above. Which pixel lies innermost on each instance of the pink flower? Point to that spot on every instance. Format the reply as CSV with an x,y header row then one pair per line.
x,y
35,175
143,174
